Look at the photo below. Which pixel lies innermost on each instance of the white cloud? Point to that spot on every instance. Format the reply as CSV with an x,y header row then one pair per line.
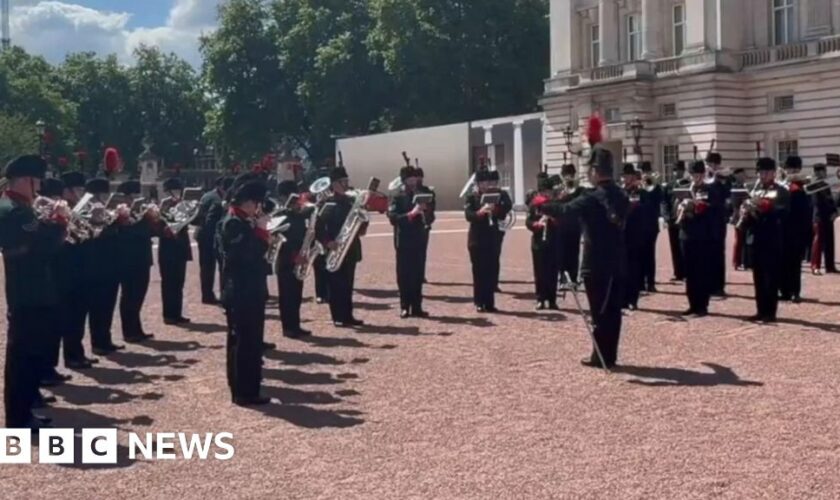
x,y
54,28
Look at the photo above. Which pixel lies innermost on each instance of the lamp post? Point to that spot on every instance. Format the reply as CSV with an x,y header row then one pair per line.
x,y
636,127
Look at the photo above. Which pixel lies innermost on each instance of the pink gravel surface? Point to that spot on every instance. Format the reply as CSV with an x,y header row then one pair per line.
x,y
475,406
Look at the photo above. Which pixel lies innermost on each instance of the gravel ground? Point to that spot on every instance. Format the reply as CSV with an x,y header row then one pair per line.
x,y
476,406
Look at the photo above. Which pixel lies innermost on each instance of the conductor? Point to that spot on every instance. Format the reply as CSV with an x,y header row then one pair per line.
x,y
603,213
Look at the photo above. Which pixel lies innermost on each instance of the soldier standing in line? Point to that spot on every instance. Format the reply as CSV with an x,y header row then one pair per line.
x,y
795,230
544,243
669,213
174,251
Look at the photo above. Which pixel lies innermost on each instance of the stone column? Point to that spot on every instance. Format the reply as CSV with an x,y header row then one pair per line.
x,y
609,30
652,29
518,165
488,144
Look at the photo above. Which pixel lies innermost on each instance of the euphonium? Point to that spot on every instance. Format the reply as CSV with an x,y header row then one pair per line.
x,y
354,222
276,227
310,249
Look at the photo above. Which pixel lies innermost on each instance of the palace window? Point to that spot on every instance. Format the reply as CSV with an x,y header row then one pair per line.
x,y
594,45
786,148
782,103
679,29
634,38
668,110
612,115
783,21
670,156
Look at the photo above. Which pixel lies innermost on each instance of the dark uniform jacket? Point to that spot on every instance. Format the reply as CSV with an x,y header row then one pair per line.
x,y
767,227
722,188
824,206
330,224
603,213
243,250
542,238
481,231
134,244
638,217
173,248
210,212
798,224
294,239
408,230
700,223
653,207
669,203
29,249
430,211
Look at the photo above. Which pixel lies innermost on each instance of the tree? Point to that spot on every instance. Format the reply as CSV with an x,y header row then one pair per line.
x,y
16,137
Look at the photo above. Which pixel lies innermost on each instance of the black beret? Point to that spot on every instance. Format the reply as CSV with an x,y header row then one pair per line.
x,y
493,175
555,180
679,165
765,164
819,166
628,169
568,169
173,184
714,158
27,166
51,188
98,186
793,162
698,167
129,187
338,173
253,190
482,176
227,182
419,172
287,188
545,184
646,167
407,171
73,179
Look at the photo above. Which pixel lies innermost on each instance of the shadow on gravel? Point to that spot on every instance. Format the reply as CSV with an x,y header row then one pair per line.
x,y
175,346
84,395
302,358
412,331
334,342
132,359
449,299
459,320
542,316
297,377
378,294
311,418
371,306
205,328
668,377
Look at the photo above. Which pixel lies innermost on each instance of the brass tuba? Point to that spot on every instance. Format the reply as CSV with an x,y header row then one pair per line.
x,y
353,224
310,249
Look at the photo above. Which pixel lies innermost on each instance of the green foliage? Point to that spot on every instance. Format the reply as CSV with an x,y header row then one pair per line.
x,y
16,137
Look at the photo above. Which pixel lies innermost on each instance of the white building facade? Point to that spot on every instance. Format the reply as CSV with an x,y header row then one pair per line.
x,y
748,74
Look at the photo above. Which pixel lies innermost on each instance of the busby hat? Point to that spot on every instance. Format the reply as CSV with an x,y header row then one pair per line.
x,y
793,162
407,171
628,169
26,166
568,169
555,180
338,173
765,164
714,159
419,172
52,187
646,167
129,187
73,179
98,186
482,176
173,184
251,190
493,176
287,188
679,165
698,167
602,161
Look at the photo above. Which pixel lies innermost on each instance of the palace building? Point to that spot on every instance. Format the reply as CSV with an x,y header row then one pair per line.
x,y
748,74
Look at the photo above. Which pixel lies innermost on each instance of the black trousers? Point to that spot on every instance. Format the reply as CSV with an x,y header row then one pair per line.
x,y
322,278
26,355
568,259
102,302
635,267
341,285
605,294
649,262
134,284
485,263
827,239
498,268
220,262
410,277
290,295
207,266
790,282
698,284
718,265
676,251
766,282
71,313
173,273
426,236
545,273
246,331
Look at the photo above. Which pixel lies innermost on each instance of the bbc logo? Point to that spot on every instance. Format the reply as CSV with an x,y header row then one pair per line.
x,y
57,446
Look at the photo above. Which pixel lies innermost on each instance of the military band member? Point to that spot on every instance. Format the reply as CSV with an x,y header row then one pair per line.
x,y
209,214
430,217
825,211
30,242
720,219
652,211
603,213
102,276
244,243
290,289
134,239
568,228
764,216
174,251
669,214
696,220
341,282
493,186
72,283
544,243
739,255
483,241
635,233
795,230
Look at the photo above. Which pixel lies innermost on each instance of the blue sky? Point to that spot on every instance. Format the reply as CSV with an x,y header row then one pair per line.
x,y
54,28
